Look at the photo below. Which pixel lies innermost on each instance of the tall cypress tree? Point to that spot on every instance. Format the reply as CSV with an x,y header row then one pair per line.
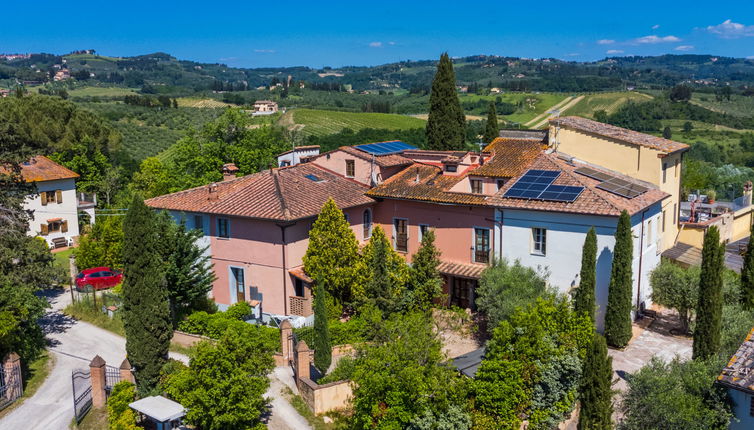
x,y
322,346
446,124
426,279
584,299
596,388
387,272
747,274
710,308
492,131
618,312
146,309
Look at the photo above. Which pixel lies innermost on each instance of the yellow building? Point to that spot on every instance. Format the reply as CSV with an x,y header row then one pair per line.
x,y
638,155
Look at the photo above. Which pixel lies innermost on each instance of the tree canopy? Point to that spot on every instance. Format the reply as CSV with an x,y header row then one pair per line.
x,y
618,312
446,122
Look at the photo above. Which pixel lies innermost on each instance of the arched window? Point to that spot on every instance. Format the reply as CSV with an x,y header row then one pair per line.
x,y
367,223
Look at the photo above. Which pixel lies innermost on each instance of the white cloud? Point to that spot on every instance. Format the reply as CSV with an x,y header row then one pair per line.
x,y
264,51
684,47
731,30
605,42
750,57
375,44
391,43
656,39
655,27
573,54
614,51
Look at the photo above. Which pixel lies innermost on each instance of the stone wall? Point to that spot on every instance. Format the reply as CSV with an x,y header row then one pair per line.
x,y
187,339
327,397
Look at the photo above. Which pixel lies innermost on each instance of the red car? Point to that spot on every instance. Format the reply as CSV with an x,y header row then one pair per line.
x,y
98,278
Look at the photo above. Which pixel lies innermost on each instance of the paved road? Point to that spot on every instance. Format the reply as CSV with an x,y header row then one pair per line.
x,y
74,344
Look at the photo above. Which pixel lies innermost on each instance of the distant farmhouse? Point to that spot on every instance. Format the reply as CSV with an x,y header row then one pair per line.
x,y
265,107
62,75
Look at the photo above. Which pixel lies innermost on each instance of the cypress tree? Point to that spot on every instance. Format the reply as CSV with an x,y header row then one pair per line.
x,y
426,280
387,272
446,124
584,299
491,132
710,308
747,275
618,312
146,310
322,345
596,388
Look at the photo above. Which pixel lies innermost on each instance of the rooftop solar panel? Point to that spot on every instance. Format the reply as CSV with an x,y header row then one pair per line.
x,y
594,174
537,185
385,148
623,188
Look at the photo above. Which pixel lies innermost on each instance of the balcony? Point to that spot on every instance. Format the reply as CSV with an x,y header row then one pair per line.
x,y
300,306
482,256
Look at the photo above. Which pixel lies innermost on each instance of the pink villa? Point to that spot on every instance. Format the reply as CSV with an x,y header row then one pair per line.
x,y
519,199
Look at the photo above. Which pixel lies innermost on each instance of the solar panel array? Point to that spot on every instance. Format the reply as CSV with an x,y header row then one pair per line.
x,y
538,185
613,184
385,148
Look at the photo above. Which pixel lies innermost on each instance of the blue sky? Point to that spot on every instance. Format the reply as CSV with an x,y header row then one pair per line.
x,y
337,33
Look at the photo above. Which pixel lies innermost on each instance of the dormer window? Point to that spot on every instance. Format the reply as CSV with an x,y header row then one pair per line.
x,y
476,186
451,168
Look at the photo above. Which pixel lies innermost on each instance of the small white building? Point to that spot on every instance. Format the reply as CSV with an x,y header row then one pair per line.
x,y
55,207
297,155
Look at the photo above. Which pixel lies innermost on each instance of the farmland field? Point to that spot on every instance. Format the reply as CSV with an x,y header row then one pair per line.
x,y
101,92
740,106
323,122
201,103
530,105
609,102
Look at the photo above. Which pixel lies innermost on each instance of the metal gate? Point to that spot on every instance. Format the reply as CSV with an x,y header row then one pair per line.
x,y
82,393
112,377
11,386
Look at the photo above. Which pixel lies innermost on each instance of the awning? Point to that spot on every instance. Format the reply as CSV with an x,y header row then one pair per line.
x,y
688,255
300,274
469,363
471,271
159,408
55,220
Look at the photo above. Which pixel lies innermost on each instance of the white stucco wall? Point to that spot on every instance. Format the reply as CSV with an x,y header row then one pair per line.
x,y
565,238
741,404
66,210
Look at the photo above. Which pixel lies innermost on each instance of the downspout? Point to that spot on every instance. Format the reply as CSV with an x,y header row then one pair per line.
x,y
641,259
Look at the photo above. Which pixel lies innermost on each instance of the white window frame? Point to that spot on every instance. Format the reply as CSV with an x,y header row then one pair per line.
x,y
395,234
367,229
481,185
421,232
352,162
233,284
543,245
650,233
473,244
227,220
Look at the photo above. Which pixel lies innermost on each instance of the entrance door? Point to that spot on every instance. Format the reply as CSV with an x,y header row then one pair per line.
x,y
239,287
462,293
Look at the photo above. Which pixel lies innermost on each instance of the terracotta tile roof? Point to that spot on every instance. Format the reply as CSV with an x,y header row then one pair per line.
x,y
41,168
300,274
739,373
510,157
389,160
618,133
425,183
591,201
283,194
471,271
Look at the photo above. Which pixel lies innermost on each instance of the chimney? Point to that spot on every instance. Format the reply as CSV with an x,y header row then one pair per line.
x,y
229,171
212,192
747,193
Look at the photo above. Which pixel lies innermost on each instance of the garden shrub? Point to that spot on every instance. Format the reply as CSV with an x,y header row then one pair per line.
x,y
119,415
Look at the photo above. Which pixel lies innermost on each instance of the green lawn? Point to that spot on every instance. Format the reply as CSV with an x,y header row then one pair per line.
x,y
609,102
95,419
324,122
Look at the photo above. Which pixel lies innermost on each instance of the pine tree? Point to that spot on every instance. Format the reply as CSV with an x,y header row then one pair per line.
x,y
333,255
492,131
322,345
596,388
618,312
387,273
747,274
710,308
426,280
146,311
584,299
446,124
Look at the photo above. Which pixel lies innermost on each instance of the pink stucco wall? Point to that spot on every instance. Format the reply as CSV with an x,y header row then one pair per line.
x,y
336,161
257,247
454,226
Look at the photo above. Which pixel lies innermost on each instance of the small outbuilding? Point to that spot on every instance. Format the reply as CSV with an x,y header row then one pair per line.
x,y
163,413
467,364
738,378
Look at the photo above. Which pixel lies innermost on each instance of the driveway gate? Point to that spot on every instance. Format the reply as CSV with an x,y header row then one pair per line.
x,y
82,393
11,386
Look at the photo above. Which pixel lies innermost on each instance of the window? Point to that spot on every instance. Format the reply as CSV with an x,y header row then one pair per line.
x,y
500,183
538,241
350,168
401,234
481,245
199,222
347,217
451,167
237,283
649,233
423,229
476,186
223,228
55,196
298,287
367,223
664,217
664,172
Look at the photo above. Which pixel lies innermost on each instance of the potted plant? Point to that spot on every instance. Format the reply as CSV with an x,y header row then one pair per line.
x,y
711,195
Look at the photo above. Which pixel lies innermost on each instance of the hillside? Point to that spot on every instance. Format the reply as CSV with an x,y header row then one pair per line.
x,y
323,122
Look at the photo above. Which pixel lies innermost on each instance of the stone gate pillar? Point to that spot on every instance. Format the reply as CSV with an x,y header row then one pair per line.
x,y
302,361
97,372
126,373
286,330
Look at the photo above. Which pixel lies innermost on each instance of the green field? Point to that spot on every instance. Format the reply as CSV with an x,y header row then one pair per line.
x,y
101,92
323,122
740,106
609,102
531,104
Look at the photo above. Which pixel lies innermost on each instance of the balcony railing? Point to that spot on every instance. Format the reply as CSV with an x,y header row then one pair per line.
x,y
301,306
482,256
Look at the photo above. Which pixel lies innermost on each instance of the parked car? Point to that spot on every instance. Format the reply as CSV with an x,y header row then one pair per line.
x,y
98,278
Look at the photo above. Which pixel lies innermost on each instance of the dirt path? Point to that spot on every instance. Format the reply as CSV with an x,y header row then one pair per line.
x,y
547,112
565,107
